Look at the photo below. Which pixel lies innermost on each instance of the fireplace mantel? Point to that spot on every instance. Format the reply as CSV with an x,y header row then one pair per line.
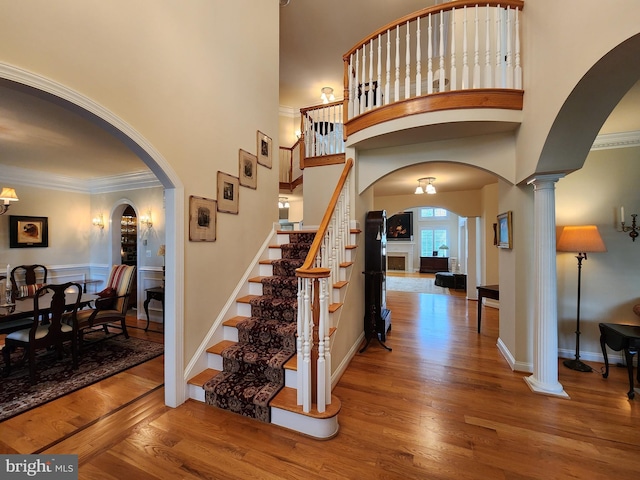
x,y
402,249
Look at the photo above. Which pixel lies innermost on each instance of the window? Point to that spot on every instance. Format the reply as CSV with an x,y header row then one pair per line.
x,y
431,239
431,212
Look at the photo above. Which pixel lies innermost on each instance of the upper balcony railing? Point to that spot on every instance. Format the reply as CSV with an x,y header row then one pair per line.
x,y
413,64
322,134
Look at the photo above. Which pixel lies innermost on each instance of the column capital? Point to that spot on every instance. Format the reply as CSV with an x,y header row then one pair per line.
x,y
538,180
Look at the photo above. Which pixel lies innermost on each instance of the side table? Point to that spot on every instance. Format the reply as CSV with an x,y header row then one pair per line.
x,y
154,293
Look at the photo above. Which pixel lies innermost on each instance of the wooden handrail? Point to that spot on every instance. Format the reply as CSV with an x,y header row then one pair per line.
x,y
443,7
324,225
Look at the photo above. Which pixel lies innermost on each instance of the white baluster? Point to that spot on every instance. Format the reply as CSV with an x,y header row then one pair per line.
x,y
350,105
356,99
407,61
453,81
476,58
370,92
378,92
387,85
396,89
321,374
499,80
306,347
465,52
430,57
517,74
363,94
441,55
299,342
418,60
509,72
487,51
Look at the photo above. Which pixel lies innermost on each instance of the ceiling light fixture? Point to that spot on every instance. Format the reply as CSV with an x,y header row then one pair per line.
x,y
327,95
283,202
7,196
429,188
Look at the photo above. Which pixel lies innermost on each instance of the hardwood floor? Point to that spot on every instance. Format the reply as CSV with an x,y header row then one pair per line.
x,y
443,405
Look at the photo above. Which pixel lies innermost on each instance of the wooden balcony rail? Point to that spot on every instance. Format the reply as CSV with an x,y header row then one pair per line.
x,y
322,134
453,46
290,171
316,277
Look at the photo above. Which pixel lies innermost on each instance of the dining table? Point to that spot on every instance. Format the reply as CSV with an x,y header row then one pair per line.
x,y
19,314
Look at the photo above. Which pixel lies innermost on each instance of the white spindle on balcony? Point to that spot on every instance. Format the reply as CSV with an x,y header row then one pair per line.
x,y
488,46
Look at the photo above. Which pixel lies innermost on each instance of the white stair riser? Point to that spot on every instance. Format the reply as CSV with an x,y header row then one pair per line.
x,y
243,309
230,333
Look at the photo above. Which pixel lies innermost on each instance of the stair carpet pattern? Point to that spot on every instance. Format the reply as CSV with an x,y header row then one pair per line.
x,y
253,368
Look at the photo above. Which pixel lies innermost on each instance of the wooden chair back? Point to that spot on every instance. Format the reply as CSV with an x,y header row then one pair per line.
x,y
26,279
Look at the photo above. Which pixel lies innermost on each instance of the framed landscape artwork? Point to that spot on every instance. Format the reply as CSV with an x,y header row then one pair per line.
x,y
228,193
265,145
202,219
248,174
26,232
505,230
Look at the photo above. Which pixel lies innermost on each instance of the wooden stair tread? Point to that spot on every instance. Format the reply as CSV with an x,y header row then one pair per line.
x,y
258,279
292,363
346,264
340,284
287,399
203,377
334,307
232,322
220,346
350,247
246,298
294,232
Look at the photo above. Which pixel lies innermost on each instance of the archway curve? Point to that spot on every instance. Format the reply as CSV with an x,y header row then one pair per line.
x,y
31,83
600,89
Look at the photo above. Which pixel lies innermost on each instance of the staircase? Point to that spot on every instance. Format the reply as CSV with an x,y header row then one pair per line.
x,y
253,371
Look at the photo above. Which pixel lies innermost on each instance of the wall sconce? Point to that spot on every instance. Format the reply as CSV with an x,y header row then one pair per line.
x,y
633,229
7,195
99,222
429,188
283,202
146,220
327,95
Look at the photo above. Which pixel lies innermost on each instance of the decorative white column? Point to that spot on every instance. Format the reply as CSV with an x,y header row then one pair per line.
x,y
545,349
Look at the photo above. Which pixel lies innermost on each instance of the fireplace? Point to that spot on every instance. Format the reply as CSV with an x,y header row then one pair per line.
x,y
396,263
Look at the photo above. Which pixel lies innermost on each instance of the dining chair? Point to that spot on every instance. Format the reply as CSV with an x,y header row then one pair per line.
x,y
49,335
26,279
111,309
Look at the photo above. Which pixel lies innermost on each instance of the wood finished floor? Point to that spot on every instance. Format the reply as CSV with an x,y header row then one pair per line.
x,y
443,405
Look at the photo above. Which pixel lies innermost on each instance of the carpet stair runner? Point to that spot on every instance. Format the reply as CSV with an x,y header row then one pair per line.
x,y
253,368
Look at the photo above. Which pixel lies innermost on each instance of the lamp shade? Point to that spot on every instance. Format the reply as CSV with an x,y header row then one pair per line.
x,y
580,239
8,195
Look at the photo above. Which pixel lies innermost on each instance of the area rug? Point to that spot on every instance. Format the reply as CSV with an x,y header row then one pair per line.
x,y
101,357
423,283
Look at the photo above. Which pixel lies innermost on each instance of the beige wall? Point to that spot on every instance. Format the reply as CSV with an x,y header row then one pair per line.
x,y
70,228
196,79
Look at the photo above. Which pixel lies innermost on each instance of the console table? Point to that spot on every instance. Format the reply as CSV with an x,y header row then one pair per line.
x,y
434,264
155,293
486,291
621,337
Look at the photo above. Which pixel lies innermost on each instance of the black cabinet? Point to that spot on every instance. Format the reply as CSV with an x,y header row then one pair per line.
x,y
434,264
377,318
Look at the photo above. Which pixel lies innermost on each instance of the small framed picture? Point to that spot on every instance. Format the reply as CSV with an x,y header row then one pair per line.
x,y
228,193
202,219
505,230
248,174
265,145
27,232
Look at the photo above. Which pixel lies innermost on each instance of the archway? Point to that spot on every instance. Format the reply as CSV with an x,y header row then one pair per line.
x,y
174,202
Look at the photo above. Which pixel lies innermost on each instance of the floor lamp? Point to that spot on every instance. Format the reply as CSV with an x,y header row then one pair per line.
x,y
581,239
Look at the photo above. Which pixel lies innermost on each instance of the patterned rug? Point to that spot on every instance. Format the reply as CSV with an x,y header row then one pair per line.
x,y
253,368
103,357
419,283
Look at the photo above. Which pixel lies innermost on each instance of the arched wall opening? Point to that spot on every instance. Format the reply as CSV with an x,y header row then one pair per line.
x,y
46,89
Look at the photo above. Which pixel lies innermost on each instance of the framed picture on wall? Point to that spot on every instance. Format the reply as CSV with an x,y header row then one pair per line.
x,y
264,147
505,230
248,174
202,219
26,232
228,193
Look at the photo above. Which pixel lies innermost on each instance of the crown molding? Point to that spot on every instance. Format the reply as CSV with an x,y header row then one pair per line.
x,y
113,183
287,111
617,140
